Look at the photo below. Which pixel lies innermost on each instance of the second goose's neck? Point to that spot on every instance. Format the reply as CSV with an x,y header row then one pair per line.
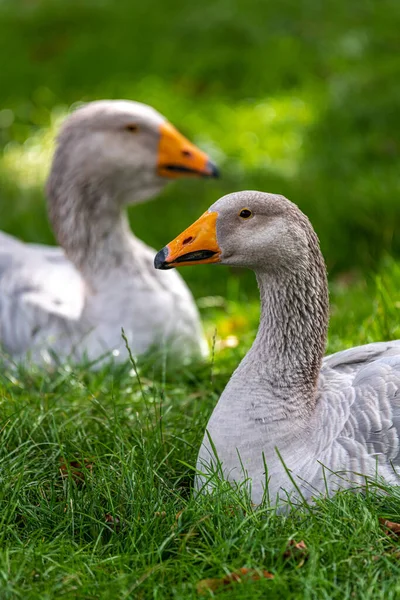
x,y
91,227
290,342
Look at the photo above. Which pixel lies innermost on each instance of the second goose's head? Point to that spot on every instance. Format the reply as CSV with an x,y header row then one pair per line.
x,y
127,149
264,232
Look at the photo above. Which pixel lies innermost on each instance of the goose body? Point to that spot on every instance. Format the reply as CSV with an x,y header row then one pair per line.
x,y
291,423
71,302
352,433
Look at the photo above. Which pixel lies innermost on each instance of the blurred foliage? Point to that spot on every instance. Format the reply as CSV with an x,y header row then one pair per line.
x,y
299,98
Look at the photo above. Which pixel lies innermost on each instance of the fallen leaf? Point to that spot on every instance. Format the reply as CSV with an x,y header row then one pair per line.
x,y
243,574
113,522
390,526
76,468
295,548
178,515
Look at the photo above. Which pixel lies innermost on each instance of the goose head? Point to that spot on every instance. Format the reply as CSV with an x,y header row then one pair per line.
x,y
126,148
260,231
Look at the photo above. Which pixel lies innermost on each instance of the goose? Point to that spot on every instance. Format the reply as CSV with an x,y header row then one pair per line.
x,y
290,424
70,303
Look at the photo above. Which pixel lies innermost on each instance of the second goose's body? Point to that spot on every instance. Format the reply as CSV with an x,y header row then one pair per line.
x,y
71,303
290,423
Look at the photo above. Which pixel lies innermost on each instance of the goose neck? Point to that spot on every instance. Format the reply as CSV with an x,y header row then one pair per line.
x,y
91,227
290,343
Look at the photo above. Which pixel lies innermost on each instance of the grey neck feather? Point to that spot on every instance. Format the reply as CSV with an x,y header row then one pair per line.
x,y
90,225
287,352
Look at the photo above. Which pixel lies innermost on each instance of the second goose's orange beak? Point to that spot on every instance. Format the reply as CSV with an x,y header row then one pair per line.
x,y
196,245
177,157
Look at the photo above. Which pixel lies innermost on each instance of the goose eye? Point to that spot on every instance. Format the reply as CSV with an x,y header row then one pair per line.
x,y
132,128
245,213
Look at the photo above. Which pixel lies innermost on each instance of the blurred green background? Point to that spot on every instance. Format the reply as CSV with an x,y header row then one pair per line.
x,y
296,97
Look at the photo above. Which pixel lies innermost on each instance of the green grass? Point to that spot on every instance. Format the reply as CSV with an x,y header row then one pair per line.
x,y
131,528
294,97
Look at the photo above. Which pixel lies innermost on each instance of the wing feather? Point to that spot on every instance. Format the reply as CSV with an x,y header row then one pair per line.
x,y
37,285
363,386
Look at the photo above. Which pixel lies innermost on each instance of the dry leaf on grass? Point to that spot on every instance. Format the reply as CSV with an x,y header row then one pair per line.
x,y
297,550
294,547
177,517
76,468
390,526
211,585
112,522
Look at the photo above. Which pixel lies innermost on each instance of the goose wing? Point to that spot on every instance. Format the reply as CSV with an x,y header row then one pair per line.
x,y
362,399
38,285
352,360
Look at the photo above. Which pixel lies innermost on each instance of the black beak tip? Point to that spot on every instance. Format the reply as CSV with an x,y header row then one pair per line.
x,y
160,260
212,170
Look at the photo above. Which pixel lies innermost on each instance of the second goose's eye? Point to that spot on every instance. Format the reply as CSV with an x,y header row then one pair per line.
x,y
132,128
245,213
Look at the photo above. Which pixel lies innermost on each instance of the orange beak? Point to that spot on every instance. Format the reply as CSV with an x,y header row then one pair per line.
x,y
177,157
195,246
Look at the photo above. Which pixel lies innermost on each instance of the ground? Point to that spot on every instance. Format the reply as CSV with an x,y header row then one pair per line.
x,y
96,469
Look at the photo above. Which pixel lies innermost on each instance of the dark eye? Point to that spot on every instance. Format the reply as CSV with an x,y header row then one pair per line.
x,y
245,213
132,128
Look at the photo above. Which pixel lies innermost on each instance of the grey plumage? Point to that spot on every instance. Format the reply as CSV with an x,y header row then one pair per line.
x,y
331,421
73,302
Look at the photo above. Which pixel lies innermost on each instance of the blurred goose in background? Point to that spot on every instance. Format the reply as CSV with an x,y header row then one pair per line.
x,y
72,302
329,421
